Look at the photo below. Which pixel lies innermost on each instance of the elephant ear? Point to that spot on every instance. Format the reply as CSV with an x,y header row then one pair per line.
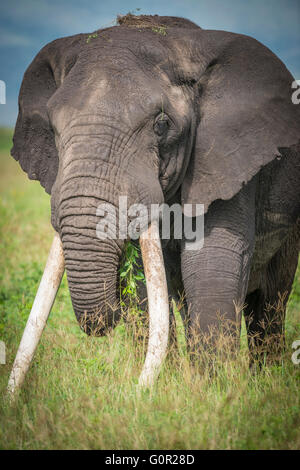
x,y
34,144
246,115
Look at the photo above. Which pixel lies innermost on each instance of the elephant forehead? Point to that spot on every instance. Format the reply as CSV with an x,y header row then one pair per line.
x,y
116,81
76,96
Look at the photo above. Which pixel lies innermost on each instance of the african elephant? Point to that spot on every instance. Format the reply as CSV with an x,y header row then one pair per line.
x,y
160,110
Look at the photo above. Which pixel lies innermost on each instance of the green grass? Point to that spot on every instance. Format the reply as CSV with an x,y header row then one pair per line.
x,y
80,392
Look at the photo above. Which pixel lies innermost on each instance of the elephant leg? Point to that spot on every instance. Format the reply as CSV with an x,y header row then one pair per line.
x,y
265,326
266,307
171,253
216,276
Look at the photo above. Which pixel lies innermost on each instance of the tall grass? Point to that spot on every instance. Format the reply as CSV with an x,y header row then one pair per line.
x,y
80,392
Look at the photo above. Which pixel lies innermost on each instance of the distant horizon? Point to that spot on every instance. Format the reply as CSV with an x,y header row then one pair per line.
x,y
26,26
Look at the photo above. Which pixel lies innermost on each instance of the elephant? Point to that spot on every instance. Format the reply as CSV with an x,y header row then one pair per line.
x,y
160,110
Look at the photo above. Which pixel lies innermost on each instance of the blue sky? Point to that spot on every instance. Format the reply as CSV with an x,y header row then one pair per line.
x,y
27,25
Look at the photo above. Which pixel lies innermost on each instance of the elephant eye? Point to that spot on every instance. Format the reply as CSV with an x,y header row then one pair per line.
x,y
161,125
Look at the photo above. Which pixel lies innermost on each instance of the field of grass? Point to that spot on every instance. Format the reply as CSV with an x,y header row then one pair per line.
x,y
80,392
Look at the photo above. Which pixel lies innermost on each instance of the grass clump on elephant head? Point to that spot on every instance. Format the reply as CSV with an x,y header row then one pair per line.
x,y
142,21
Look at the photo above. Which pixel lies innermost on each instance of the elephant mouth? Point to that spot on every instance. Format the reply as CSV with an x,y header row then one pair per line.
x,y
158,307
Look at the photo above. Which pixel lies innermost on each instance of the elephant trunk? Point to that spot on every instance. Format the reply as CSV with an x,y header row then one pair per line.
x,y
91,256
92,277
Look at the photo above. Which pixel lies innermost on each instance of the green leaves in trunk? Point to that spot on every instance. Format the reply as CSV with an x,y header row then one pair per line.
x,y
131,274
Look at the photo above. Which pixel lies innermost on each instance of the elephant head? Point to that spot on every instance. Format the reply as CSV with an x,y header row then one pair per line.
x,y
153,107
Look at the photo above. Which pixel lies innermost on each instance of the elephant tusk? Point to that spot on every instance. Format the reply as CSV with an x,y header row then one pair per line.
x,y
158,304
39,314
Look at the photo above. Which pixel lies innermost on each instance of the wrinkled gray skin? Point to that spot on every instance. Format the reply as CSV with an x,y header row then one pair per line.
x,y
87,129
